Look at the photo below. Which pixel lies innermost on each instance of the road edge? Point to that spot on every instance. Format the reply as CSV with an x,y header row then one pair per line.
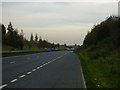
x,y
81,71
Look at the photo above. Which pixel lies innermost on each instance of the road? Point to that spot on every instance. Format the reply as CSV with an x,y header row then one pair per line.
x,y
60,69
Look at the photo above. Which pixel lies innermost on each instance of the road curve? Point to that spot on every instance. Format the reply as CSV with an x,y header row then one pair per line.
x,y
60,69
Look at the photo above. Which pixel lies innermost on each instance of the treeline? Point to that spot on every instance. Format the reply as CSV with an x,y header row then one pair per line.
x,y
104,30
100,54
11,37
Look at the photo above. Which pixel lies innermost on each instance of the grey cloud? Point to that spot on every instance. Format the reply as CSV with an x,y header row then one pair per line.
x,y
42,15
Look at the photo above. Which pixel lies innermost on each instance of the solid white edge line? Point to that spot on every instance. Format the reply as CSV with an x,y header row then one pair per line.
x,y
2,86
14,80
82,73
22,76
83,79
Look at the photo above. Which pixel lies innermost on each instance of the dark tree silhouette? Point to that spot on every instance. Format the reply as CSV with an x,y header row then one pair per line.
x,y
36,38
10,28
3,30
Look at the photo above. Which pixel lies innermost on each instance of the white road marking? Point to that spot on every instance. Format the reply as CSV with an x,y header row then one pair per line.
x,y
38,68
14,80
2,86
54,59
47,63
34,70
41,66
12,62
22,76
28,72
44,64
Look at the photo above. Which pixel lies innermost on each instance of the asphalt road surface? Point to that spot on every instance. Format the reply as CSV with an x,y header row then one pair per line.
x,y
60,69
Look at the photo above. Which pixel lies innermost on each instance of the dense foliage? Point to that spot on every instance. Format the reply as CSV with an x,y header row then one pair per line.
x,y
101,47
11,37
109,28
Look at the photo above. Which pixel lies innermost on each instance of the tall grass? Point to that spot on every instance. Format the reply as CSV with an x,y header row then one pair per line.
x,y
100,72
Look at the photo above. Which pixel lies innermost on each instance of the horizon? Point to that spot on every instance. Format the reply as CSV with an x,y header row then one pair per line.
x,y
58,22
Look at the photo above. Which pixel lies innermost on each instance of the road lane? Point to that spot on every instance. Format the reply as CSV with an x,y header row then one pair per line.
x,y
44,70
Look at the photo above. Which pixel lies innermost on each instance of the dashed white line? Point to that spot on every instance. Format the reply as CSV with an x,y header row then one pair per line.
x,y
41,66
38,68
34,70
47,63
44,64
2,86
22,76
28,72
14,80
12,62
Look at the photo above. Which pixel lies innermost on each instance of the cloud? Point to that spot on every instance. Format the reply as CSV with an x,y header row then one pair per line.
x,y
60,0
69,34
57,19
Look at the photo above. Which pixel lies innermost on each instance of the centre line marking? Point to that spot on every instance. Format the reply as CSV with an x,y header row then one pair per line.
x,y
28,72
38,67
22,76
44,64
13,80
34,70
2,86
12,62
41,66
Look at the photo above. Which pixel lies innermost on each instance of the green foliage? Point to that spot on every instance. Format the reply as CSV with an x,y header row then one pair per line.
x,y
101,47
106,29
17,41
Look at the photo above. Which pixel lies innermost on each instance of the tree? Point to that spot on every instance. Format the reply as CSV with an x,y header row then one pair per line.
x,y
39,45
21,40
10,28
36,38
10,35
65,45
31,38
58,45
3,30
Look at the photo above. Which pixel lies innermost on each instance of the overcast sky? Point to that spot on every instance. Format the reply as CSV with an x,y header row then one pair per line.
x,y
59,22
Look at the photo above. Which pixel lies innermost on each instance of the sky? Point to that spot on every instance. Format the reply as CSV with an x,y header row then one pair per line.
x,y
58,22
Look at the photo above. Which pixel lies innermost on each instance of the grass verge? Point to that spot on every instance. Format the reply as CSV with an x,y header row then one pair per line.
x,y
26,53
97,74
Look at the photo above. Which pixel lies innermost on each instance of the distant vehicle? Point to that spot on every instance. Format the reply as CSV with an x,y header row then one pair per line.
x,y
45,49
70,49
56,48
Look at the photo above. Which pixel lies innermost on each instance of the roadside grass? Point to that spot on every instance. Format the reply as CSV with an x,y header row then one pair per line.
x,y
88,75
18,54
26,53
25,48
32,48
98,72
0,47
9,48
